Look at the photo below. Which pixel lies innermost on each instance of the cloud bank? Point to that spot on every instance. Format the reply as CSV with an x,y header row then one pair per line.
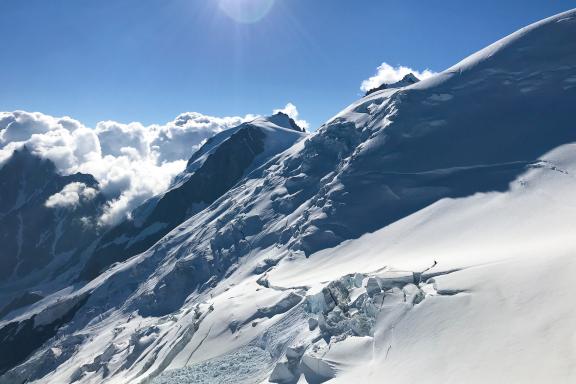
x,y
387,74
132,162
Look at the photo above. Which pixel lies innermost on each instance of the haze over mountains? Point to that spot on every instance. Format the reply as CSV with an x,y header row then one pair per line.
x,y
427,230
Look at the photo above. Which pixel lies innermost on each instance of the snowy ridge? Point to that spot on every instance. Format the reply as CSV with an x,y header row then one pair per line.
x,y
406,81
427,229
219,164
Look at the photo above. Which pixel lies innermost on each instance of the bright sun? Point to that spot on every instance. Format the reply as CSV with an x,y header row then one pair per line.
x,y
246,11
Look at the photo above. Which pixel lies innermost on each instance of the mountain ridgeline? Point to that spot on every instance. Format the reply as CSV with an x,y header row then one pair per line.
x,y
216,167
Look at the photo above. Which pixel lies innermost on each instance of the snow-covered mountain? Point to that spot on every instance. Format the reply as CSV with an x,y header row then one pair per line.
x,y
37,239
217,166
425,231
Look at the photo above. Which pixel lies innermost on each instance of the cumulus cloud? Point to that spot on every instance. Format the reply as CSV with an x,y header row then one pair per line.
x,y
291,110
180,138
131,162
71,195
145,180
117,139
51,137
387,74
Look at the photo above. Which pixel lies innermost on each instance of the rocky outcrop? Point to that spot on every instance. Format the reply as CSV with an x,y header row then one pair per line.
x,y
407,80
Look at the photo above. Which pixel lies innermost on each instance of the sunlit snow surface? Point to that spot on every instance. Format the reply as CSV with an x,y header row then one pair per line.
x,y
423,234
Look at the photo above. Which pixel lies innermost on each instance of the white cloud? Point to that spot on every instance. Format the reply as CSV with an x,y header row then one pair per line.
x,y
387,74
292,112
20,125
145,180
180,138
71,195
115,137
131,162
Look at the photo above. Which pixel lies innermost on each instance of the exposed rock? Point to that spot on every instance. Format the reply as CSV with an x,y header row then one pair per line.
x,y
407,80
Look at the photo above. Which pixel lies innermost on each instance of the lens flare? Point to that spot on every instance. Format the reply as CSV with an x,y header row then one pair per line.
x,y
246,11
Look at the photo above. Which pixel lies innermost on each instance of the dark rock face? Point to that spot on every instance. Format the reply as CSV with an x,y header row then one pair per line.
x,y
222,169
407,80
30,233
283,120
21,339
21,301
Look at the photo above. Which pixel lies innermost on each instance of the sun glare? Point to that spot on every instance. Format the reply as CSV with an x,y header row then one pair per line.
x,y
246,11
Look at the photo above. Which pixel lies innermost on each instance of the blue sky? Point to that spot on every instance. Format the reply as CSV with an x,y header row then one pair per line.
x,y
149,60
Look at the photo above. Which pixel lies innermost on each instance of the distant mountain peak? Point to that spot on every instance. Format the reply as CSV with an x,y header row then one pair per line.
x,y
407,80
23,159
281,119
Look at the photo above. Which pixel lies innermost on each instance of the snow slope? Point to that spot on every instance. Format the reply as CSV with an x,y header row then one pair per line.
x,y
500,309
423,233
215,168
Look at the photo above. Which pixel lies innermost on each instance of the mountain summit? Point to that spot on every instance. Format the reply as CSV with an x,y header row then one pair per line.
x,y
407,80
283,120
